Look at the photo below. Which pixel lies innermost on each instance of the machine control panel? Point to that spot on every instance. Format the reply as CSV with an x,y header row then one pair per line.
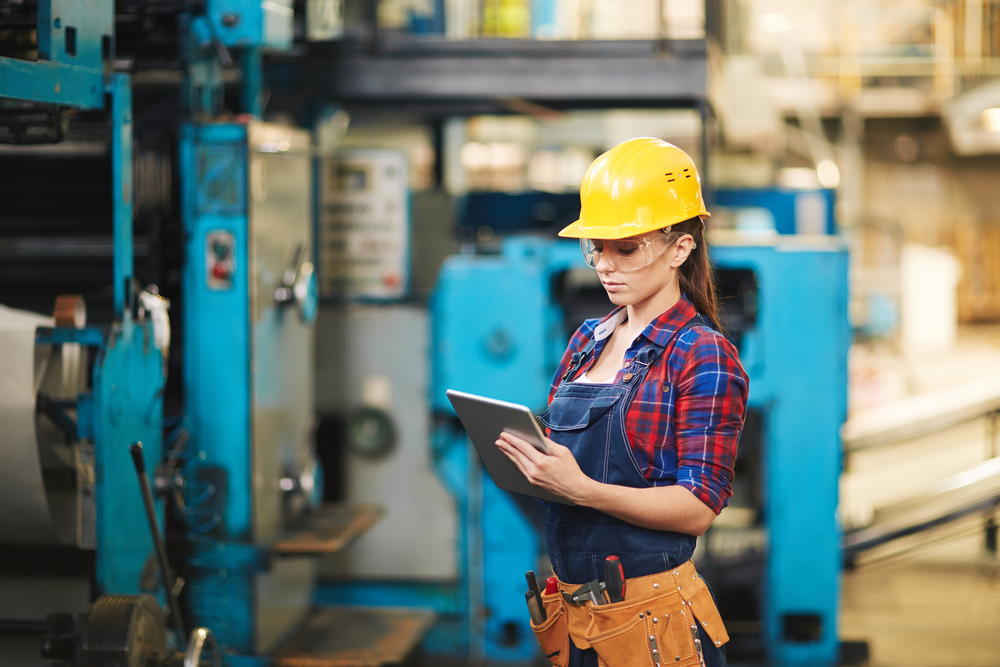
x,y
219,259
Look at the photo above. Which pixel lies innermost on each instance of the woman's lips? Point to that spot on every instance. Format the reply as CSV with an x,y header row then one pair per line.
x,y
612,286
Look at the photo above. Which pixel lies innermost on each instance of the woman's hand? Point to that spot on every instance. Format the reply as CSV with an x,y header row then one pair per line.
x,y
556,472
658,507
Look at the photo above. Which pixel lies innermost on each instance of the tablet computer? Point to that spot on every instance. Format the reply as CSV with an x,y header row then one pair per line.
x,y
484,420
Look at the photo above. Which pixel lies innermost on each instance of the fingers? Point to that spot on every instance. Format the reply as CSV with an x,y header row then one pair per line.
x,y
523,446
515,454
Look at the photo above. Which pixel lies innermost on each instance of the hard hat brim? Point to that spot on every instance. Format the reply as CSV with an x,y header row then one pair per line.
x,y
578,230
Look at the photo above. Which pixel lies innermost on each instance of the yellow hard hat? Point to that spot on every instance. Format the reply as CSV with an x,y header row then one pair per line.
x,y
638,186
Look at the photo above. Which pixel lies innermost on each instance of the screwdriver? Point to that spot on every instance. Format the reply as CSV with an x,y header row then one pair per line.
x,y
614,579
535,610
533,590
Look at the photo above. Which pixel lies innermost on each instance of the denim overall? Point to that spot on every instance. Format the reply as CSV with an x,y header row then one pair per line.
x,y
589,419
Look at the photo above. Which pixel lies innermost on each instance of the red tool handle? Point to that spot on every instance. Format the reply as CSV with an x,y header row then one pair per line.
x,y
614,579
551,585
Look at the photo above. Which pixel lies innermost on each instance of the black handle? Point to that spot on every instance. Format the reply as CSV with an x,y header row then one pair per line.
x,y
161,551
533,588
614,579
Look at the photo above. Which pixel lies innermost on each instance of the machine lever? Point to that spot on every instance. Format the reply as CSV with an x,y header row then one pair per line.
x,y
160,549
200,637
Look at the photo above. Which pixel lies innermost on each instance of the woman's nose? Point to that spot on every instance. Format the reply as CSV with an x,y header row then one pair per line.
x,y
603,264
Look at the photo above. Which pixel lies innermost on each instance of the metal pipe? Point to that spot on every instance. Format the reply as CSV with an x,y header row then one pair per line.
x,y
161,551
19,628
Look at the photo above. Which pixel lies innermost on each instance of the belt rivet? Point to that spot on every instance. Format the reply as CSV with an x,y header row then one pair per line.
x,y
718,643
678,588
656,585
652,638
656,620
676,573
677,659
694,576
641,615
649,613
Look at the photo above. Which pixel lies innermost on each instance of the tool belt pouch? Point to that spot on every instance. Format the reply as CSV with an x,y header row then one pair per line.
x,y
553,633
655,630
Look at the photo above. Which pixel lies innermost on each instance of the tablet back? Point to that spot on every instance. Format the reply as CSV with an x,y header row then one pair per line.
x,y
484,420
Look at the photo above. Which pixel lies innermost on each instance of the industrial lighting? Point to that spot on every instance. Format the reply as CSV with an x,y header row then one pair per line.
x,y
774,23
828,173
991,119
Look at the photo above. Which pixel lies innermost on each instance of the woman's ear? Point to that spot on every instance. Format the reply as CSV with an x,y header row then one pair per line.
x,y
682,249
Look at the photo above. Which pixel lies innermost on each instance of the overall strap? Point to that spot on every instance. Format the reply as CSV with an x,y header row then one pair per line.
x,y
577,360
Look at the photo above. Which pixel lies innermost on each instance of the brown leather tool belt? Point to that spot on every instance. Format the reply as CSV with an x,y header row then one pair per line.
x,y
655,625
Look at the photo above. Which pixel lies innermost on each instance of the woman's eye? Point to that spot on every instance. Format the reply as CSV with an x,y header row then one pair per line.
x,y
626,251
598,247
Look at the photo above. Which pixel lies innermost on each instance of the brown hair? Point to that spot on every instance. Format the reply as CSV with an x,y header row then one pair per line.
x,y
696,277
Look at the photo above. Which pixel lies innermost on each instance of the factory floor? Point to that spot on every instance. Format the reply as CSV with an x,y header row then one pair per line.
x,y
925,613
940,606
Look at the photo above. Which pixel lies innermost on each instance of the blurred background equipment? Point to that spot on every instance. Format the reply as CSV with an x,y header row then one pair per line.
x,y
264,239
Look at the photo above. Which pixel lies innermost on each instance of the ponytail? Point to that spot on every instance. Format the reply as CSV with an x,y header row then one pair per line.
x,y
696,278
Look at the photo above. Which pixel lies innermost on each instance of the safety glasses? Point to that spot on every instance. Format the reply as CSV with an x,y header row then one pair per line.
x,y
628,254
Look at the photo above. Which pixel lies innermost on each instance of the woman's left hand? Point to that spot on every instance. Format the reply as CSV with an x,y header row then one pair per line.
x,y
556,472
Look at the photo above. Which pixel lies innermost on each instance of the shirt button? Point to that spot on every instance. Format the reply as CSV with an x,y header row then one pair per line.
x,y
627,364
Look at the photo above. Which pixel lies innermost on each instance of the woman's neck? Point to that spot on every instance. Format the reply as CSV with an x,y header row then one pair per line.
x,y
642,313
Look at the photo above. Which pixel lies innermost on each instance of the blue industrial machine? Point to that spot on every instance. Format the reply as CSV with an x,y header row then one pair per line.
x,y
500,324
121,402
238,472
250,298
787,210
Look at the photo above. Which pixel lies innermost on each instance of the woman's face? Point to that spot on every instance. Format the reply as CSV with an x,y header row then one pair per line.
x,y
632,288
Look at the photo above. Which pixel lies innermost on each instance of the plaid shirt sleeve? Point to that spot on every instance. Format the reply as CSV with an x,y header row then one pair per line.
x,y
711,401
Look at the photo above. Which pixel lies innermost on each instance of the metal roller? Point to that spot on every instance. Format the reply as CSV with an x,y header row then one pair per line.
x,y
124,631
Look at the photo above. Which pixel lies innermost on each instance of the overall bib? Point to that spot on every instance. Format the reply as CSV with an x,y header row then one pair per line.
x,y
589,419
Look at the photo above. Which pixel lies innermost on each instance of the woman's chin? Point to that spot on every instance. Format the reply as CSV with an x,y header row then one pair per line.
x,y
618,299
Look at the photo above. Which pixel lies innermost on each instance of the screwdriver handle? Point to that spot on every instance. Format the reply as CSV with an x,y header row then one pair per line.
x,y
551,585
614,579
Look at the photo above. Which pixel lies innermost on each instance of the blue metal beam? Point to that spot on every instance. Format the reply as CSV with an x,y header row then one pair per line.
x,y
91,336
43,81
119,86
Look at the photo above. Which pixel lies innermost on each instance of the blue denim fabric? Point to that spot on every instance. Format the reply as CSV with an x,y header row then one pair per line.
x,y
589,419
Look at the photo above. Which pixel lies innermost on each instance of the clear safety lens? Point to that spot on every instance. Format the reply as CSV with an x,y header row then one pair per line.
x,y
627,254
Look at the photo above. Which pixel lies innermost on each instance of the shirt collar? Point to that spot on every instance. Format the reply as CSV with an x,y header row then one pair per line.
x,y
659,331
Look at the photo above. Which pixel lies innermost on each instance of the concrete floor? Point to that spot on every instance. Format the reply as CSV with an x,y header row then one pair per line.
x,y
940,607
924,614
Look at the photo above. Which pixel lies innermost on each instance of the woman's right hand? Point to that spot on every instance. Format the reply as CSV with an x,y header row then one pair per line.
x,y
557,472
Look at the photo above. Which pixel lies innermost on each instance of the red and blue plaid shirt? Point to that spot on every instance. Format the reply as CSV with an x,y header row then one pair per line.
x,y
686,418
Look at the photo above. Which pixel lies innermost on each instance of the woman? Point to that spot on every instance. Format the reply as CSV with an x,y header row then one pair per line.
x,y
644,416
